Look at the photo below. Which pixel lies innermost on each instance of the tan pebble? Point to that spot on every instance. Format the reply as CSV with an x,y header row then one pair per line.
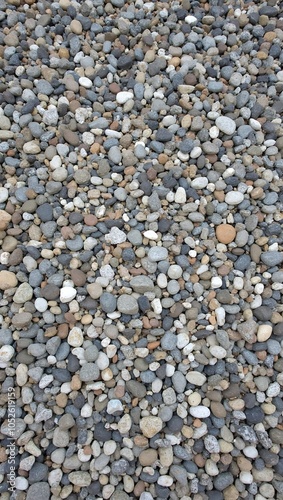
x,y
148,457
61,400
7,280
218,409
231,493
76,27
244,463
268,408
237,404
225,233
76,383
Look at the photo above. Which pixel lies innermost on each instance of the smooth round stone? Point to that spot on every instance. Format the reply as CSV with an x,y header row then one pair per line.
x,y
4,194
199,183
199,411
157,254
175,272
95,290
127,304
226,125
7,280
41,305
196,378
218,352
234,198
85,82
108,302
264,332
225,233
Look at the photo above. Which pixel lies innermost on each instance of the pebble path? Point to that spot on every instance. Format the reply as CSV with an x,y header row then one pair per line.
x,y
141,202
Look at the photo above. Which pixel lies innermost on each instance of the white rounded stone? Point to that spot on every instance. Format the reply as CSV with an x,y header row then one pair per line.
x,y
165,481
4,193
151,235
234,198
199,183
180,195
85,82
226,125
200,411
218,352
40,304
216,282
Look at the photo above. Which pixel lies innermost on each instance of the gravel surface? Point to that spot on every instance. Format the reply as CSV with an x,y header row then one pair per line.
x,y
141,201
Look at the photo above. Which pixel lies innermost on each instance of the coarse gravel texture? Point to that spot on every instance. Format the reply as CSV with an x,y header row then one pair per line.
x,y
141,201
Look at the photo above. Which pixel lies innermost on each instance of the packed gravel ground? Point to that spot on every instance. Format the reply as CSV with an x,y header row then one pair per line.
x,y
141,275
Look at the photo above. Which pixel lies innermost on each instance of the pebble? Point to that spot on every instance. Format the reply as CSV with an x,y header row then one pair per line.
x,y
141,249
150,426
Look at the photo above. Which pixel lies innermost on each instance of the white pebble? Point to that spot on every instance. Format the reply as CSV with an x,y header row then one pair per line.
x,y
216,282
21,483
190,19
6,353
114,405
67,293
246,477
123,97
234,198
4,193
165,481
250,452
75,337
180,196
220,315
199,183
151,235
200,411
85,82
156,306
40,304
196,152
217,351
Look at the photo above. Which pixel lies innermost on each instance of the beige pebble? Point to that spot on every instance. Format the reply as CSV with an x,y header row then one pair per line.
x,y
264,332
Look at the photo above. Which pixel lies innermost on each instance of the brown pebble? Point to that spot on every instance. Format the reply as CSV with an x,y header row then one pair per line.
x,y
78,277
225,233
148,457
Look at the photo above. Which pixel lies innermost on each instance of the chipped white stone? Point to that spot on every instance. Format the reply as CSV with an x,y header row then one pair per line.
x,y
123,97
67,294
